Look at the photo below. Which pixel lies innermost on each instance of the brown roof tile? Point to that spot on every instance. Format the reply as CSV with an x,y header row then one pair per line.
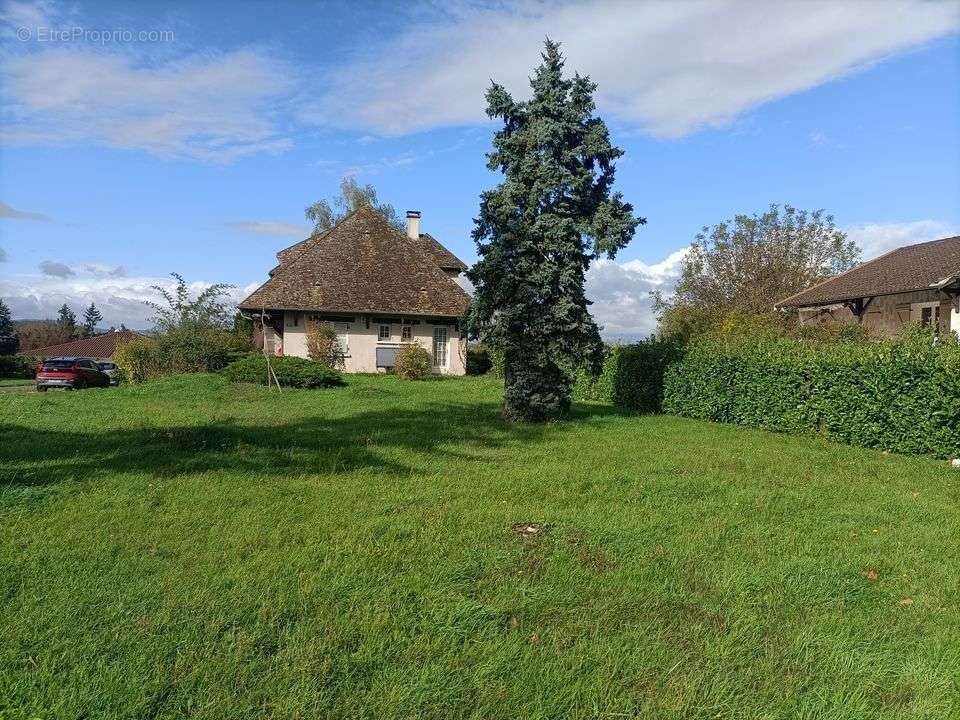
x,y
364,264
915,267
98,346
445,259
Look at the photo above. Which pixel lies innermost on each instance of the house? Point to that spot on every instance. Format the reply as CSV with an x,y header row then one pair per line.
x,y
98,346
914,283
376,285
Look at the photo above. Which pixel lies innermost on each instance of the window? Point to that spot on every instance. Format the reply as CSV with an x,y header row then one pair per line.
x,y
406,333
440,347
384,333
293,319
343,336
927,313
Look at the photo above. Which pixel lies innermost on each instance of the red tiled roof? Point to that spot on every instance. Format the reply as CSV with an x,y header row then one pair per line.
x,y
364,264
98,346
928,265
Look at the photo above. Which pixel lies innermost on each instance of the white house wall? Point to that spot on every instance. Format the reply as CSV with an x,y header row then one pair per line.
x,y
363,342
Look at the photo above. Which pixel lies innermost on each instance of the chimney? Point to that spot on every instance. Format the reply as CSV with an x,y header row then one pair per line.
x,y
413,224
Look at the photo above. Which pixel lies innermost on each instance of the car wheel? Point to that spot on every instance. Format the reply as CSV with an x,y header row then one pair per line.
x,y
41,389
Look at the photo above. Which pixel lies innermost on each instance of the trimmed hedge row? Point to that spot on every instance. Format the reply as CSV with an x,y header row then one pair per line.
x,y
632,376
900,396
290,371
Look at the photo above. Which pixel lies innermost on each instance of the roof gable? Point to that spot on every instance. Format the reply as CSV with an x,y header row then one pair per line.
x,y
924,266
364,264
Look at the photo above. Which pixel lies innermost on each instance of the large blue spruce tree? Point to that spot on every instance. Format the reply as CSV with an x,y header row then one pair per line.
x,y
538,232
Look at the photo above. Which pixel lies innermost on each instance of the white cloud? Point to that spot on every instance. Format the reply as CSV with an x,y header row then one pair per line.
x,y
874,239
102,270
120,299
267,227
670,68
29,15
13,214
55,269
210,107
620,293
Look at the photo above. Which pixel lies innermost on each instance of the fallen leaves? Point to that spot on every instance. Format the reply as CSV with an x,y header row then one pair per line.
x,y
871,575
906,601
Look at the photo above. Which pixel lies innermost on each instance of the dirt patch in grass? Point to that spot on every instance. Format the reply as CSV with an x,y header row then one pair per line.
x,y
529,530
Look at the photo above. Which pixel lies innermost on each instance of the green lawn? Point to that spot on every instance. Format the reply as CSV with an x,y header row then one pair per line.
x,y
15,382
192,548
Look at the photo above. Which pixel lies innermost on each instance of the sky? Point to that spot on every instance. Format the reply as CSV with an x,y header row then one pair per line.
x,y
142,139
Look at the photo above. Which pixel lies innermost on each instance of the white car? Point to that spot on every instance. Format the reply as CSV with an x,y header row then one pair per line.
x,y
110,368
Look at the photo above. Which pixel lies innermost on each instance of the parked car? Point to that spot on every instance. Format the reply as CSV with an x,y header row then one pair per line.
x,y
110,368
70,373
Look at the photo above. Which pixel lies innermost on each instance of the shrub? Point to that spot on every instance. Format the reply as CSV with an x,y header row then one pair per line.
x,y
632,375
290,372
18,366
138,359
323,346
412,362
902,396
478,360
180,350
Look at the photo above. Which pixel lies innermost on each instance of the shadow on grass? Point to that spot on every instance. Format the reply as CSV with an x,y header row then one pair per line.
x,y
391,440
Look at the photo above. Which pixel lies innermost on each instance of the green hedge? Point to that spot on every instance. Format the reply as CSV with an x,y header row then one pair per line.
x,y
632,376
181,350
290,371
900,396
18,366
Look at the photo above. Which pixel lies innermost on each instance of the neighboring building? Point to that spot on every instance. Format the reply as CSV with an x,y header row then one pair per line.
x,y
378,287
914,283
98,346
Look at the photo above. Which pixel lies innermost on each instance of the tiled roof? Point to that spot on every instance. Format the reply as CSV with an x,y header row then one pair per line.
x,y
364,264
924,266
98,346
445,259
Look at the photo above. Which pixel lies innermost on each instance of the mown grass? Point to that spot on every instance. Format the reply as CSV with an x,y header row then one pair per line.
x,y
193,548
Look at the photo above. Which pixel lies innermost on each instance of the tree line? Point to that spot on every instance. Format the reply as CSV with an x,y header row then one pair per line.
x,y
16,336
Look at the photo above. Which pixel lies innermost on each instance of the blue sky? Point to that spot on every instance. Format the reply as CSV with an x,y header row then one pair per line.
x,y
143,139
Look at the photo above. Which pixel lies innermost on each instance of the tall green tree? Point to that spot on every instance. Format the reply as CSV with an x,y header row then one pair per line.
x,y
537,233
745,265
9,340
67,321
91,318
325,215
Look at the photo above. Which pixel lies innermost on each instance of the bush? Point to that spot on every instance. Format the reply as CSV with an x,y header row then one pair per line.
x,y
478,360
902,396
413,362
632,375
18,366
181,350
290,372
138,360
323,346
